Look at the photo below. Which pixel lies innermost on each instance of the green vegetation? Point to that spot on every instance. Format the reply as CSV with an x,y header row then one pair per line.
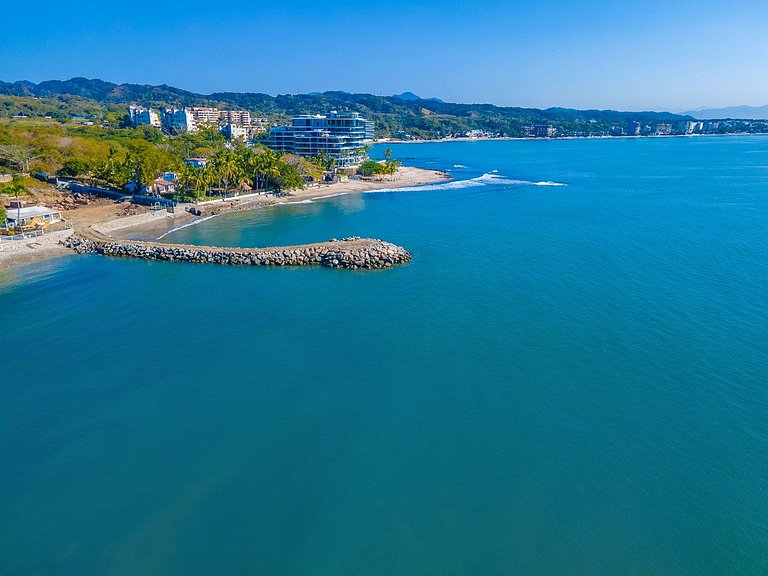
x,y
16,187
373,168
393,117
115,156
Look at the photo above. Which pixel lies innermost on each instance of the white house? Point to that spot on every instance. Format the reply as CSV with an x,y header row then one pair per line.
x,y
31,215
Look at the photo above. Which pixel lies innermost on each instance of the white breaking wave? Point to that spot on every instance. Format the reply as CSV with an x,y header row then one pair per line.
x,y
459,166
487,179
548,183
333,195
187,225
307,201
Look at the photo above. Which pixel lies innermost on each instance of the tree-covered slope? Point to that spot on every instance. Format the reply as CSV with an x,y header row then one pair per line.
x,y
392,115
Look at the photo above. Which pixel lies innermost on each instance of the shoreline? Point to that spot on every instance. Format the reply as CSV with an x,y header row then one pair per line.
x,y
146,226
556,138
406,177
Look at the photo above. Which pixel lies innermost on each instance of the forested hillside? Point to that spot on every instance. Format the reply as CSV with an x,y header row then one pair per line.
x,y
393,116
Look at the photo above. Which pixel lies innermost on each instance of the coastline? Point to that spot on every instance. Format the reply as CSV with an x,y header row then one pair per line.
x,y
144,225
556,138
405,177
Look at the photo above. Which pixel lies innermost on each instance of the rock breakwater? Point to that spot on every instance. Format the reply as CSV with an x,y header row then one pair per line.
x,y
351,253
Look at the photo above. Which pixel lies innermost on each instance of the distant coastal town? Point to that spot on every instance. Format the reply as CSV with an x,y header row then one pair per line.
x,y
240,124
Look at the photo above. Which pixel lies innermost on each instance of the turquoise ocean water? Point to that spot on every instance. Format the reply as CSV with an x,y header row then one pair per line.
x,y
571,377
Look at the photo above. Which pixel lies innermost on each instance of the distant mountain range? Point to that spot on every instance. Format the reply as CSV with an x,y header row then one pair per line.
x,y
734,112
410,96
403,115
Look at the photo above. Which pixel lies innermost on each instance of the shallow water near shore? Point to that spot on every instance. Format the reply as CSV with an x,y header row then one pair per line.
x,y
570,377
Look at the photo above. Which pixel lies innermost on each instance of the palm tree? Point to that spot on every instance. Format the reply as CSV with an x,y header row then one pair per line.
x,y
226,163
17,187
187,178
391,168
265,167
104,171
199,182
212,178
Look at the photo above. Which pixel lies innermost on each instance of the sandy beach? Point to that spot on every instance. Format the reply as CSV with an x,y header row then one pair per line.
x,y
139,223
405,177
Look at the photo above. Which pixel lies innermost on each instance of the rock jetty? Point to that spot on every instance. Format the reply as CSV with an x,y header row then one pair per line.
x,y
351,253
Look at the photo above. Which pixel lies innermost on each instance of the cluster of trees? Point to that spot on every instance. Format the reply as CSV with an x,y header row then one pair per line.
x,y
240,167
117,156
373,168
72,150
387,167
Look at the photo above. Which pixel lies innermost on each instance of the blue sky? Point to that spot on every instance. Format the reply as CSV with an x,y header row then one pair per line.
x,y
647,54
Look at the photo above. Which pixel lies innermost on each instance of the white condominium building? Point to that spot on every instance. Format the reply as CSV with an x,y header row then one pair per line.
x,y
203,114
143,116
239,117
178,121
341,136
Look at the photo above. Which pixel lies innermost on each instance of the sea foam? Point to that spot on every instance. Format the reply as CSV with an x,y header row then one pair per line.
x,y
487,179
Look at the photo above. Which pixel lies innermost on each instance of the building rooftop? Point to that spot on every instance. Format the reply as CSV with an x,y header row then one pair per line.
x,y
30,212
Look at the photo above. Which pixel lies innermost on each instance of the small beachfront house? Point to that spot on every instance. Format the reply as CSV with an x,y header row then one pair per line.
x,y
30,214
162,186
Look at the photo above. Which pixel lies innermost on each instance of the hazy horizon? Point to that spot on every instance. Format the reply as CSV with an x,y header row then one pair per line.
x,y
580,54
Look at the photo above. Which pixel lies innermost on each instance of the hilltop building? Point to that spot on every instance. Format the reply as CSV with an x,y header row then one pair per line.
x,y
140,116
204,115
233,131
178,121
339,135
237,117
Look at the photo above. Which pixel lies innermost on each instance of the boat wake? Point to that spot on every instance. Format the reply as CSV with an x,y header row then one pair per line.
x,y
487,179
187,225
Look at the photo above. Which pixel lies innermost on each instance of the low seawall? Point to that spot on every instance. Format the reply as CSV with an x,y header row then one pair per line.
x,y
351,253
21,251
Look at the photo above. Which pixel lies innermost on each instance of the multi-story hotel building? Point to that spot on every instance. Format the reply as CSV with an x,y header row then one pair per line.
x,y
339,135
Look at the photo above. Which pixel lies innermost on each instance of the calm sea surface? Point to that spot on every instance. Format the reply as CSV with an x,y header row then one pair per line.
x,y
571,377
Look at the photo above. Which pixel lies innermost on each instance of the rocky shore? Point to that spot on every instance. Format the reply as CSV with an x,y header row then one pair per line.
x,y
351,253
